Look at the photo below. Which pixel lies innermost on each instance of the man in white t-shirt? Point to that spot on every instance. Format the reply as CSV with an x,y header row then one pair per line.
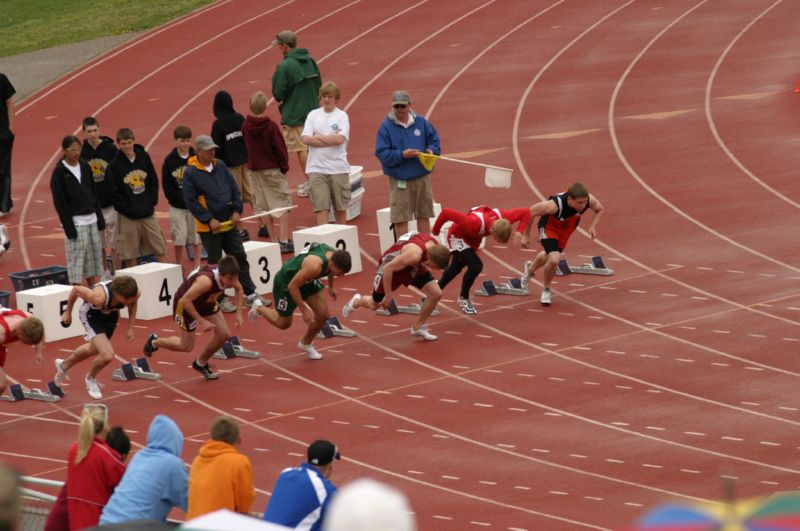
x,y
326,133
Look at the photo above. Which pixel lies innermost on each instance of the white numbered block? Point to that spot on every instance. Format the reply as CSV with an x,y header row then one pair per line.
x,y
265,262
385,233
337,236
157,284
48,303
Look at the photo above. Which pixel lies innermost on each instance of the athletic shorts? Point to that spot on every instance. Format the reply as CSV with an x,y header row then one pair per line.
x,y
96,322
419,281
284,303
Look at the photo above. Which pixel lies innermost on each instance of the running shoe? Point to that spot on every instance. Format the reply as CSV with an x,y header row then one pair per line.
x,y
93,387
245,236
304,190
205,370
526,272
227,306
61,373
545,298
287,247
311,352
149,347
263,232
253,313
466,306
351,305
423,333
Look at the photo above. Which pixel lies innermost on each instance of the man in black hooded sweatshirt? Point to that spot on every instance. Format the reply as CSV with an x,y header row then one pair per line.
x,y
227,134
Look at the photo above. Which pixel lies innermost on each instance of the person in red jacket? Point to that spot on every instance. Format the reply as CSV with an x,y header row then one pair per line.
x,y
18,325
464,238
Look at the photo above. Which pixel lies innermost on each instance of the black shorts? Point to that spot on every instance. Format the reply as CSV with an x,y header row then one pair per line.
x,y
419,282
550,245
96,322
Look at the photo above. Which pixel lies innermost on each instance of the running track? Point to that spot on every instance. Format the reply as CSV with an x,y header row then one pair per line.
x,y
629,389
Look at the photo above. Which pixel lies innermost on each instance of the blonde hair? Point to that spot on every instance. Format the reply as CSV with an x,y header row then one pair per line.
x,y
501,230
258,102
94,420
329,88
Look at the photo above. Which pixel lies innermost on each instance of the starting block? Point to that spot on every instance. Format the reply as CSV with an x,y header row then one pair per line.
x,y
512,287
394,309
596,267
140,368
16,393
333,328
233,349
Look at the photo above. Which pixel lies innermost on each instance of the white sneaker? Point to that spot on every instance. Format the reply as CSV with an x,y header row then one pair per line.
x,y
526,272
466,306
93,387
304,190
253,313
545,298
423,333
310,351
351,305
61,374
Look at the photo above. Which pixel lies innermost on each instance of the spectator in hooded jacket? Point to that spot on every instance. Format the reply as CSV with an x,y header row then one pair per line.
x,y
7,114
155,481
98,151
221,477
295,86
135,187
72,187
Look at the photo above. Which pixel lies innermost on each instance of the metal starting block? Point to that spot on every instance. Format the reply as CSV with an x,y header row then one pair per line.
x,y
233,349
596,267
394,309
16,393
333,328
140,368
512,287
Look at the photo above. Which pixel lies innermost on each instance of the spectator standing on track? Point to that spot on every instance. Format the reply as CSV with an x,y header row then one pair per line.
x,y
155,481
99,314
94,469
464,238
73,190
558,218
135,187
302,494
226,131
7,114
407,263
268,162
369,505
98,151
18,325
295,86
195,303
213,197
221,477
181,222
326,133
10,498
402,136
297,285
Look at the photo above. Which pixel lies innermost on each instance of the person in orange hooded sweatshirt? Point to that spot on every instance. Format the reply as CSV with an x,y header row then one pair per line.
x,y
221,477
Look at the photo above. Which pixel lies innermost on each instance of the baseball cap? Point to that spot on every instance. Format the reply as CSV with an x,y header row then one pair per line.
x,y
285,37
322,452
401,96
204,143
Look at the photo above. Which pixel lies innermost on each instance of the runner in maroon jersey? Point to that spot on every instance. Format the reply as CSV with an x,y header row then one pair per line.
x,y
407,263
559,217
196,303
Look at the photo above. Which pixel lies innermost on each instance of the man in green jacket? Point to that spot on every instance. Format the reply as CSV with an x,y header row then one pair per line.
x,y
295,86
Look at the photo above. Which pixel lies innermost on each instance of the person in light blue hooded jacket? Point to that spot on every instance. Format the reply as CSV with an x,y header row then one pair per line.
x,y
155,481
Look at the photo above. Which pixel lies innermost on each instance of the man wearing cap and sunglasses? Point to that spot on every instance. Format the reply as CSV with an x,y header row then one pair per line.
x,y
402,136
295,86
301,495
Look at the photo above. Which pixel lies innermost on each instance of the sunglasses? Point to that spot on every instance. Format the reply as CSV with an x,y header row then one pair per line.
x,y
399,105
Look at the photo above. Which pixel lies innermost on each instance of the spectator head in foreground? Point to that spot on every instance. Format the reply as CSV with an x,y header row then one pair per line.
x,y
368,505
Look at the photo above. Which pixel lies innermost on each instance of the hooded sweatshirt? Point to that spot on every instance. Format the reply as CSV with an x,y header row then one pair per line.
x,y
210,194
172,177
266,148
295,85
227,131
135,184
220,478
155,481
98,159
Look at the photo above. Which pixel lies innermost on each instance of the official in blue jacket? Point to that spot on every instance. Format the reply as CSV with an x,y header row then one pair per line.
x,y
402,136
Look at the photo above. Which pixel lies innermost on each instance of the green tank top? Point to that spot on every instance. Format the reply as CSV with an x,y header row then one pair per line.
x,y
291,267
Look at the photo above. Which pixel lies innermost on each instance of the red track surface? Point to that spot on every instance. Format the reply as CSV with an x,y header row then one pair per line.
x,y
629,389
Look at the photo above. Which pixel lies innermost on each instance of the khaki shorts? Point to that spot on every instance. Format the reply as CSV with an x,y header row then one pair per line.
x,y
330,189
242,176
292,134
139,237
110,233
181,227
272,190
415,201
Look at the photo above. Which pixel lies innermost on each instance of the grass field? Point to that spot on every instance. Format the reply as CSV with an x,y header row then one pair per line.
x,y
28,25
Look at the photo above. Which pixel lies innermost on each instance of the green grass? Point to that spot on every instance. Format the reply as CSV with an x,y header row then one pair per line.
x,y
28,25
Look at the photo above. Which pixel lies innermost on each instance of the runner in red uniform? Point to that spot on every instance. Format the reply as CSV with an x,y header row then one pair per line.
x,y
558,218
17,325
197,303
407,263
464,237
